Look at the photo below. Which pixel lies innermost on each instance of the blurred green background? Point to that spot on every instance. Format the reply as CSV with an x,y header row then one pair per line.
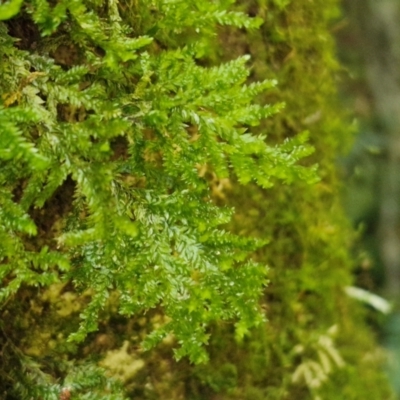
x,y
369,48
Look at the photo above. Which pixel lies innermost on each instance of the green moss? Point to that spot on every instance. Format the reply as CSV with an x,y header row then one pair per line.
x,y
138,133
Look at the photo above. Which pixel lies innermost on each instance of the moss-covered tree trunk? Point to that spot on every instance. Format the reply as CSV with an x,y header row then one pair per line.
x,y
154,200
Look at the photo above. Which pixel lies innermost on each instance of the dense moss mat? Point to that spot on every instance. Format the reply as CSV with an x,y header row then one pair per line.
x,y
314,343
310,238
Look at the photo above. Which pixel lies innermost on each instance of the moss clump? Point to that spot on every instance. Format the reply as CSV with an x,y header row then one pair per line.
x,y
155,185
